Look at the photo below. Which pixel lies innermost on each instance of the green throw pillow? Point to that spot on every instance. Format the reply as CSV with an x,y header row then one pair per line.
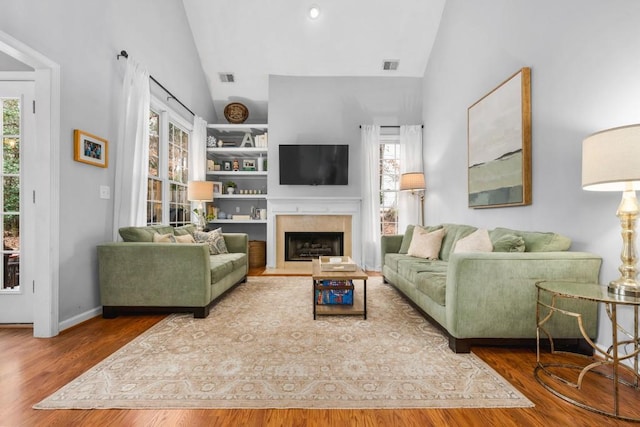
x,y
184,230
143,234
508,243
536,241
214,239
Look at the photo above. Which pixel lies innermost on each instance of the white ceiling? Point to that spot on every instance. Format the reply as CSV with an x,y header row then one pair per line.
x,y
255,38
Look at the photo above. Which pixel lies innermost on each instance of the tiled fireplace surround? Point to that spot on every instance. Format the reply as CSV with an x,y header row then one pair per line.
x,y
311,214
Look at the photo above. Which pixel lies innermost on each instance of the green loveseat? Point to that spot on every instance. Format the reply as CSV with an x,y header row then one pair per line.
x,y
489,298
140,275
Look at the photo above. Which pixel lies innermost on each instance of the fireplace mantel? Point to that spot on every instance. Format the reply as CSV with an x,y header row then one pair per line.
x,y
313,206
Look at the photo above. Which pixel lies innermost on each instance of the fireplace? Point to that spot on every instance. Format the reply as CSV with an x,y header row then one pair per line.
x,y
305,246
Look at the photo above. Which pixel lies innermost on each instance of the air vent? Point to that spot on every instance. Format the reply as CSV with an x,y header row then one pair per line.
x,y
227,77
390,65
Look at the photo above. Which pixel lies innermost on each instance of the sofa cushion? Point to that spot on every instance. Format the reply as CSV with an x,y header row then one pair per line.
x,y
454,232
143,234
164,238
223,264
184,230
408,235
508,243
535,241
185,238
425,244
433,285
478,241
214,239
409,267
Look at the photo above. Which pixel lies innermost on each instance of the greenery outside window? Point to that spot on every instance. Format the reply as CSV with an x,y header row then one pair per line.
x,y
389,183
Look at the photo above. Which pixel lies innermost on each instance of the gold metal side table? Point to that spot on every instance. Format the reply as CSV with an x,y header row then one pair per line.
x,y
618,363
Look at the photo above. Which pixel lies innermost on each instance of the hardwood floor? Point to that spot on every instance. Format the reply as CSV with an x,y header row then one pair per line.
x,y
31,369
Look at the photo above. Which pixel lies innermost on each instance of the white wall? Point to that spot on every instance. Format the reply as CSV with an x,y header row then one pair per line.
x,y
330,110
584,64
84,38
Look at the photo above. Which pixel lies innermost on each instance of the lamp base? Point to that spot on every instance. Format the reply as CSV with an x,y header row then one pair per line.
x,y
625,287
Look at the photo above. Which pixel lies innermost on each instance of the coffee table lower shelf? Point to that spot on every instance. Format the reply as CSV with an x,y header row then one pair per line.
x,y
357,309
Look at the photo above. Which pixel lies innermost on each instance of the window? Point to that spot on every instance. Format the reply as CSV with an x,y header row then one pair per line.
x,y
168,172
389,183
10,191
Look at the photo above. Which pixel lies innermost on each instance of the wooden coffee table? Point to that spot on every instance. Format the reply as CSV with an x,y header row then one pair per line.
x,y
359,307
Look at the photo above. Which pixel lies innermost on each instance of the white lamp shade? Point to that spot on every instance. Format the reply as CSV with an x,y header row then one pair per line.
x,y
412,181
200,191
611,159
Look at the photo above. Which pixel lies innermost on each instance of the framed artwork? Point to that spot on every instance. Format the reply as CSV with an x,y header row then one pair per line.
x,y
226,165
499,145
217,188
90,149
249,164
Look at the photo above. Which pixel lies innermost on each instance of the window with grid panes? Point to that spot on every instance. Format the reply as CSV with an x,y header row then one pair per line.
x,y
168,171
389,183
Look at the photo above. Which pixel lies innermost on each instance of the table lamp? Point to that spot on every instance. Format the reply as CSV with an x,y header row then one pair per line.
x,y
611,162
414,182
200,191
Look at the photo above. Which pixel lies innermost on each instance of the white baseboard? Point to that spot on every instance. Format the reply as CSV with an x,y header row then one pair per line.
x,y
76,320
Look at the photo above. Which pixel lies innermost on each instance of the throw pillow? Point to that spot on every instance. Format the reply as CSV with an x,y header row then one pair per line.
x,y
509,243
425,244
408,235
478,241
163,238
214,239
184,229
185,238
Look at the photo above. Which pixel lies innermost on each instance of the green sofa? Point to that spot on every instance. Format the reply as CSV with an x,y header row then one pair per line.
x,y
140,275
489,298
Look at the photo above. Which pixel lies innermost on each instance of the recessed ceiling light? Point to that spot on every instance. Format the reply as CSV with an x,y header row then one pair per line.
x,y
314,11
227,77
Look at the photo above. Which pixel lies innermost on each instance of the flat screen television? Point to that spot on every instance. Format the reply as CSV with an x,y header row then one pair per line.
x,y
314,164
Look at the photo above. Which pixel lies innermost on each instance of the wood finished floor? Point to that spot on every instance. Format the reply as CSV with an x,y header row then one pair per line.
x,y
32,368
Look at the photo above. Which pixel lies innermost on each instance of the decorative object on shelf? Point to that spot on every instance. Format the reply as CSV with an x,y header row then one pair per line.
x,y
248,164
247,140
226,165
236,165
261,140
263,214
236,112
220,143
231,187
200,191
611,162
90,149
260,163
499,145
217,188
222,215
414,182
211,141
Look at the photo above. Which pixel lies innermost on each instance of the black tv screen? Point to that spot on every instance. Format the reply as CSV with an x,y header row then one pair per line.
x,y
314,164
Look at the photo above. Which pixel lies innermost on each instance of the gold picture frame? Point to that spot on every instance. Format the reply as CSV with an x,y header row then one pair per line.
x,y
90,149
499,145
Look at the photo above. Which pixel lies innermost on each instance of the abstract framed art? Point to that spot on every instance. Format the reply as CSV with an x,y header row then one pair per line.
x,y
499,145
91,149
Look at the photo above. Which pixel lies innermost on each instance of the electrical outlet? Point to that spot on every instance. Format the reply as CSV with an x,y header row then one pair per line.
x,y
105,192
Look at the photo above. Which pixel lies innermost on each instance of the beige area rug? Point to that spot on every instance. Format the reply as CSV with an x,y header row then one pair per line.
x,y
261,348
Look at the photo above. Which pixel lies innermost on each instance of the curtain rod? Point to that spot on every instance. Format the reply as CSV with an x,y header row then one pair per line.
x,y
124,54
391,126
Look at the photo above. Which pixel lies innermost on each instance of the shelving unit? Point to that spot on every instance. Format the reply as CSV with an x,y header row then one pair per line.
x,y
220,161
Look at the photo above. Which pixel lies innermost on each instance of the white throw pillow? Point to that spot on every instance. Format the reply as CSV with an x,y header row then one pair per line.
x,y
426,244
478,241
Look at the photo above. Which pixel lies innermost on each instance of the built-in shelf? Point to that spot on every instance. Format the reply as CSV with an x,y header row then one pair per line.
x,y
238,173
240,196
237,221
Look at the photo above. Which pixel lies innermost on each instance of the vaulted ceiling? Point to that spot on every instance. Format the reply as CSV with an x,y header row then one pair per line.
x,y
252,39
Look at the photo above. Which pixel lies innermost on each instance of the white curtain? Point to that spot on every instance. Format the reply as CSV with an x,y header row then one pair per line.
x,y
370,138
198,162
132,154
410,161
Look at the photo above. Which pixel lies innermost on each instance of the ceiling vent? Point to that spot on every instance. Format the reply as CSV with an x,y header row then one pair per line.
x,y
390,65
227,77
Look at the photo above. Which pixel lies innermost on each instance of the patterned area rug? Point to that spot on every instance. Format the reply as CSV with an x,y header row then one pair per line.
x,y
261,348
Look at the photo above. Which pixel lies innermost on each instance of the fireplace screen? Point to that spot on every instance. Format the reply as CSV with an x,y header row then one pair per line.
x,y
305,246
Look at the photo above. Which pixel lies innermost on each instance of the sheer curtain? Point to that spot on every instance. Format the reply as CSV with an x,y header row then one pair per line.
x,y
410,161
197,163
132,154
370,138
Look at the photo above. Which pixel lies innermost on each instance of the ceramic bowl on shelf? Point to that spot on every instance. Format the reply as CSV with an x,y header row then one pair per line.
x,y
236,113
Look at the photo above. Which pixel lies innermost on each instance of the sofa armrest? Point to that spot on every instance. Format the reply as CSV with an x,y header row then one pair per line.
x,y
495,292
237,242
151,274
390,244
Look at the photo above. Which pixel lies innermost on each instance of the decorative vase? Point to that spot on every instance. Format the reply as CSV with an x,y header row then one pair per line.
x,y
230,190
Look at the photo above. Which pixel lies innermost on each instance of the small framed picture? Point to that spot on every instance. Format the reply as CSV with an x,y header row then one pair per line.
x,y
90,149
249,164
226,165
217,188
